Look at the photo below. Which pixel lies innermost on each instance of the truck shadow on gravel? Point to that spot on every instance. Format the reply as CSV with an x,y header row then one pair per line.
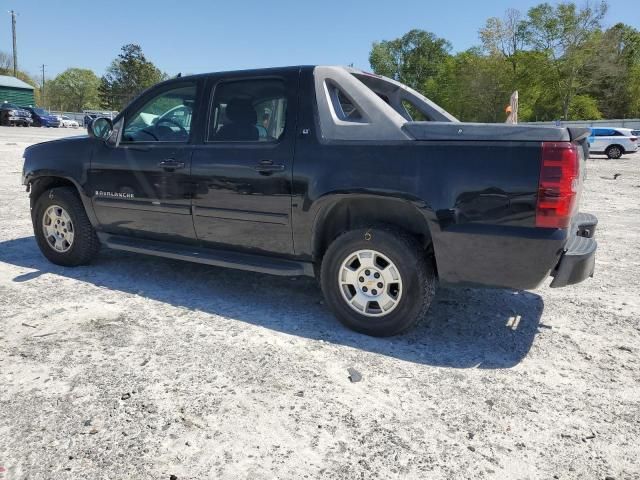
x,y
469,327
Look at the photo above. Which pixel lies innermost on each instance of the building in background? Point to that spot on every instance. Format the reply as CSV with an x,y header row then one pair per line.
x,y
13,90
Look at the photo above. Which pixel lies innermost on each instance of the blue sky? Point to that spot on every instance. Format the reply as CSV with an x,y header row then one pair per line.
x,y
205,35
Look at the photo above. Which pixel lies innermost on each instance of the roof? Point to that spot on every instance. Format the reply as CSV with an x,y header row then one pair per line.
x,y
248,72
6,81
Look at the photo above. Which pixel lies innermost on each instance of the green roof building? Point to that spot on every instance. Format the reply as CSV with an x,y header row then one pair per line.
x,y
14,90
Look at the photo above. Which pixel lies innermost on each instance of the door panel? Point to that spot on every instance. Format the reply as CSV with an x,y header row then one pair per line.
x,y
142,186
243,171
237,206
135,193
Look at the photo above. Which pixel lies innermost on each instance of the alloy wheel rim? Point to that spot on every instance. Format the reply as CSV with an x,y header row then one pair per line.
x,y
370,283
58,228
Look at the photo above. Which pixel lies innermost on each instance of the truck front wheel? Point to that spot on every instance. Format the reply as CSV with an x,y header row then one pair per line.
x,y
377,281
62,229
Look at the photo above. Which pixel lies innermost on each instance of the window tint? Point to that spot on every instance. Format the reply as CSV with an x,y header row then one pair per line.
x,y
343,106
164,118
248,111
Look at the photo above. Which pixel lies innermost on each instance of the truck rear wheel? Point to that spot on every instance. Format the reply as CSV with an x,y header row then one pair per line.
x,y
62,229
376,281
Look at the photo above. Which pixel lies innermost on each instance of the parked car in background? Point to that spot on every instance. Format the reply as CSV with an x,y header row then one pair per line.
x,y
42,118
11,114
66,122
613,142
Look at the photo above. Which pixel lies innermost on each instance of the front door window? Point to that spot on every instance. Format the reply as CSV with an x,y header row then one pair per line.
x,y
164,118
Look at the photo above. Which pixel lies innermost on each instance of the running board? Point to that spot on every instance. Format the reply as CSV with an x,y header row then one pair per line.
x,y
208,256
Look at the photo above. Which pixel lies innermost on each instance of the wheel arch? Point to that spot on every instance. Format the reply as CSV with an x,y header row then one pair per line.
x,y
40,184
621,147
340,213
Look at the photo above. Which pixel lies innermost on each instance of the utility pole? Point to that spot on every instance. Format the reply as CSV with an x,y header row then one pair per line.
x,y
15,51
42,88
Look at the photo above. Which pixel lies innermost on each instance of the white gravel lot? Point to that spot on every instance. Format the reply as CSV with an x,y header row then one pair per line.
x,y
138,367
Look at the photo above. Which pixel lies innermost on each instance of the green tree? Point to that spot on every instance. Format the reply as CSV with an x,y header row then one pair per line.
x,y
127,76
414,59
584,107
505,37
564,33
616,54
74,90
634,92
557,56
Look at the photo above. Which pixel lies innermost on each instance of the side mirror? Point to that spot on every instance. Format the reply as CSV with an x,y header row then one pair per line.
x,y
100,128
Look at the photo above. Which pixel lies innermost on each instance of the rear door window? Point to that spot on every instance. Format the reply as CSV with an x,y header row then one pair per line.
x,y
248,111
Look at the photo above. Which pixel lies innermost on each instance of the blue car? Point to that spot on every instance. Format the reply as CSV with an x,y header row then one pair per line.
x,y
42,118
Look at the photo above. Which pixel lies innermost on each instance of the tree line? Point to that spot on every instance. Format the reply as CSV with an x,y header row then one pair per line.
x,y
559,58
564,64
78,89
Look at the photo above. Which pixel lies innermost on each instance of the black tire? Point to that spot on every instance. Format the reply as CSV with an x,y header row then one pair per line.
x,y
85,243
614,151
415,268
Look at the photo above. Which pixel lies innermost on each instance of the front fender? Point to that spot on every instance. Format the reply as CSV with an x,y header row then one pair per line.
x,y
63,162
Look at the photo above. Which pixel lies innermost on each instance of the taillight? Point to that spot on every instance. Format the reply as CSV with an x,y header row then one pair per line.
x,y
558,185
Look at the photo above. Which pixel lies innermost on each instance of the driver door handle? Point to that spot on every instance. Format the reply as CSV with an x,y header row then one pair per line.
x,y
266,167
170,164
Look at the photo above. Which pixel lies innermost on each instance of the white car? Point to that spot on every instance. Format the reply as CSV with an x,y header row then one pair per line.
x,y
614,142
66,122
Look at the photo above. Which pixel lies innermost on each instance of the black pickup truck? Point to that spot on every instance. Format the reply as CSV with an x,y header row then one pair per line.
x,y
323,171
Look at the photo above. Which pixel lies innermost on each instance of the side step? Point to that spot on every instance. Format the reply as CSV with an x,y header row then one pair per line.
x,y
208,256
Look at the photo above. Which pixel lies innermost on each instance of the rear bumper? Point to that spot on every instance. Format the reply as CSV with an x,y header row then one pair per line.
x,y
516,257
578,260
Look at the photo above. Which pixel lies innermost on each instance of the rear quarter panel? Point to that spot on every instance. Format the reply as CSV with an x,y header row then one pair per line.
x,y
478,199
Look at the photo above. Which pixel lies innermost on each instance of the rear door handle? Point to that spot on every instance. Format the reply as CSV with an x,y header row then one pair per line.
x,y
170,164
267,167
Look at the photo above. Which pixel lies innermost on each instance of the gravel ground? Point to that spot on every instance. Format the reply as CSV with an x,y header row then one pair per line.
x,y
139,367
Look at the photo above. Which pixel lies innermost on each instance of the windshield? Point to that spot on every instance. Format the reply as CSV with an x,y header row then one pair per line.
x,y
40,111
